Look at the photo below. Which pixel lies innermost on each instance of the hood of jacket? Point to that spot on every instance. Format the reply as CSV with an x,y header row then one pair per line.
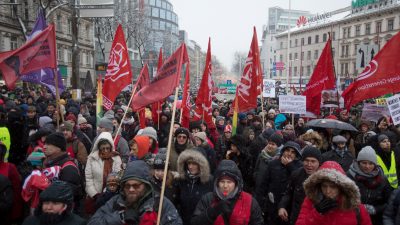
x,y
333,172
103,135
199,158
228,168
312,135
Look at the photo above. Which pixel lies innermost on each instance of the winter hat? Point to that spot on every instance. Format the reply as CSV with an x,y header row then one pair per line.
x,y
272,111
36,158
106,123
109,115
276,138
57,139
242,116
58,191
313,152
143,144
267,133
159,160
367,154
136,170
382,137
151,132
339,139
201,135
220,118
228,129
43,120
182,130
294,145
67,126
81,120
71,117
230,169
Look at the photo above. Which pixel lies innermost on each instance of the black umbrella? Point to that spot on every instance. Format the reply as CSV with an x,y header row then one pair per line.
x,y
330,123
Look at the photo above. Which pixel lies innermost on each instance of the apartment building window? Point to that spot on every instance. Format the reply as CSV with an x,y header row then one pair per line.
x,y
333,52
355,68
295,43
348,32
290,56
343,47
342,68
355,49
378,27
358,30
316,38
69,24
88,60
309,70
13,43
309,41
344,32
295,56
281,44
59,54
26,10
347,51
346,68
280,58
367,28
302,56
316,54
295,71
390,24
59,23
290,43
333,35
302,41
69,54
309,55
324,37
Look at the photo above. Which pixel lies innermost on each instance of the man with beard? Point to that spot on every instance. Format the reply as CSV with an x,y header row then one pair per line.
x,y
137,202
181,142
55,207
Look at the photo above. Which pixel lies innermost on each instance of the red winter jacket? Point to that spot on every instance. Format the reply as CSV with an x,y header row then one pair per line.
x,y
309,216
10,171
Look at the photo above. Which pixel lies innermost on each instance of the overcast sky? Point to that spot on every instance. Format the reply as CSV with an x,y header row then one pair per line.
x,y
229,22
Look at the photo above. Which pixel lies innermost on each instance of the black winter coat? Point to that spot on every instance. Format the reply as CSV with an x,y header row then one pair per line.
x,y
344,162
273,186
294,195
200,216
391,215
71,219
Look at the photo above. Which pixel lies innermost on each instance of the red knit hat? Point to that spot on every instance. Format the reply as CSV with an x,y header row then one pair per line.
x,y
71,117
332,165
143,144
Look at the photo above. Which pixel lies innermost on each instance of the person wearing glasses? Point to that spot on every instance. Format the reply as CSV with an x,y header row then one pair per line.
x,y
181,143
137,202
101,162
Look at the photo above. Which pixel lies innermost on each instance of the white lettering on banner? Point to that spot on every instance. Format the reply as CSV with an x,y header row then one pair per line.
x,y
317,83
392,80
243,89
292,104
394,108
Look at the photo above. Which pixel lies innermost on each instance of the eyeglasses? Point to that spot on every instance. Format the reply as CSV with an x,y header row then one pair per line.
x,y
134,186
181,137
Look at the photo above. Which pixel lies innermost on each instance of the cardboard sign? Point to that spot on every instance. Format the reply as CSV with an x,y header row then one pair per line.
x,y
295,104
372,112
268,88
394,108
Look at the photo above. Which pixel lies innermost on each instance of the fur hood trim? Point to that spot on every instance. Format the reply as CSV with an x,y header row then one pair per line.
x,y
313,135
196,156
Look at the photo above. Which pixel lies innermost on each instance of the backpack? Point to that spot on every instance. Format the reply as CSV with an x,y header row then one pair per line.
x,y
75,163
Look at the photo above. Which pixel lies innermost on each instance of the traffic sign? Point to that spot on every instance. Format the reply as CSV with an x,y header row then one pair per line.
x,y
365,53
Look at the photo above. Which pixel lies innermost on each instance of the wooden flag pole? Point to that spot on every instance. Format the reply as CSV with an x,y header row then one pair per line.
x,y
167,159
122,119
57,100
262,111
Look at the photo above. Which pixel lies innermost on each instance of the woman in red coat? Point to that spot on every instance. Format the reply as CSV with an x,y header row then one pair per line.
x,y
332,198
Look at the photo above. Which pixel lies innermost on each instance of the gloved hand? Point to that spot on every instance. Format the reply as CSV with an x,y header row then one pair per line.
x,y
370,209
223,207
131,216
325,205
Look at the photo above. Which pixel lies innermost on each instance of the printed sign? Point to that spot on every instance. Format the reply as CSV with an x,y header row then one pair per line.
x,y
372,112
394,108
268,88
292,104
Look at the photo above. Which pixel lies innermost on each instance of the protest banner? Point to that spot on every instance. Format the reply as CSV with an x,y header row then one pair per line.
x,y
295,104
269,88
394,108
372,112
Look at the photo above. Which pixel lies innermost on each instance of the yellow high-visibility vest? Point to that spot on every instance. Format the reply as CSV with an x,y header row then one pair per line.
x,y
6,139
390,174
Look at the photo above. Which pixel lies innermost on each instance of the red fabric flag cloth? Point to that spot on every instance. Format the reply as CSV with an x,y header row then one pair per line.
x,y
160,59
250,83
322,78
164,83
380,77
143,79
204,96
36,54
119,73
142,118
186,105
156,107
33,184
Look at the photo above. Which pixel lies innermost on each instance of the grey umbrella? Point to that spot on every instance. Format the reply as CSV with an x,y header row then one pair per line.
x,y
330,123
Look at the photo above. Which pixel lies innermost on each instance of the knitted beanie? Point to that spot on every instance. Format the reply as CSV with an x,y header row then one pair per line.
x,y
313,152
367,154
57,139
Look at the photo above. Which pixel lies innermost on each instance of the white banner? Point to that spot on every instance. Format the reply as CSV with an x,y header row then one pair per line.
x,y
268,88
394,108
292,104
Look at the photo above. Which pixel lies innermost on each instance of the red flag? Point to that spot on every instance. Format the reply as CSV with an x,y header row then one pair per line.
x,y
186,105
156,107
35,54
322,78
204,100
119,74
160,59
142,118
164,83
144,78
250,83
380,77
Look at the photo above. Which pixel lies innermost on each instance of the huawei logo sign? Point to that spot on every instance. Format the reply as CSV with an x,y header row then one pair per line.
x,y
301,21
369,70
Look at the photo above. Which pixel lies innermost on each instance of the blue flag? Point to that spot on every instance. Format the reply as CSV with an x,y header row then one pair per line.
x,y
44,76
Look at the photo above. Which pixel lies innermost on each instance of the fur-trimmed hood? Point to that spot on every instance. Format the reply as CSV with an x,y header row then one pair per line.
x,y
198,157
331,171
309,135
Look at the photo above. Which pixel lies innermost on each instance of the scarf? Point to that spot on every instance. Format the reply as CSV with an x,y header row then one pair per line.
x,y
107,168
192,176
341,152
371,180
179,148
266,156
129,122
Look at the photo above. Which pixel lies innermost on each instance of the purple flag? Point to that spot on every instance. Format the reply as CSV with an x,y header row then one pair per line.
x,y
44,76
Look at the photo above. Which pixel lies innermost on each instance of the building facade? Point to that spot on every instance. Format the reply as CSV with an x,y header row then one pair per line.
x,y
12,36
353,30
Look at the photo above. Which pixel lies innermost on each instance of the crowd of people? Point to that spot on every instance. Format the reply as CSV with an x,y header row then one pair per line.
x,y
61,165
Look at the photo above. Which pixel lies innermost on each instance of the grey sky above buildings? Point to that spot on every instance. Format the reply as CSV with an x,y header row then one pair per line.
x,y
229,22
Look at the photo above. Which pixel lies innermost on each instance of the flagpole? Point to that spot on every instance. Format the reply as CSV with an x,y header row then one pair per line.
x,y
126,111
167,159
57,100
